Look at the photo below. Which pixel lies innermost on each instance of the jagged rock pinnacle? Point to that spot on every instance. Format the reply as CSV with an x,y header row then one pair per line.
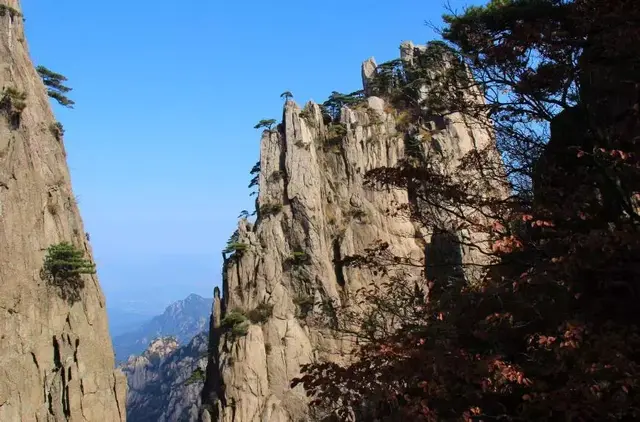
x,y
314,210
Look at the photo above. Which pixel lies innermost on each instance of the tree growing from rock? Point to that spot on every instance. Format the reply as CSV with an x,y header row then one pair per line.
x,y
550,330
55,86
337,100
265,124
63,268
12,104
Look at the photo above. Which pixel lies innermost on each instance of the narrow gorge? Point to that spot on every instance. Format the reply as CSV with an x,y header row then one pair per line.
x,y
284,277
455,240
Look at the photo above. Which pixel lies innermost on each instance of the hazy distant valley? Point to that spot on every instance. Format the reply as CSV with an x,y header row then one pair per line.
x,y
132,333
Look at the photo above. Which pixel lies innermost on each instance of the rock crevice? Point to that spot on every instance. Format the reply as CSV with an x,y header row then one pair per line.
x,y
319,212
56,355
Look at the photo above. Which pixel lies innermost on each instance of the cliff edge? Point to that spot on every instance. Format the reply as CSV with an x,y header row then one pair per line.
x,y
284,278
56,359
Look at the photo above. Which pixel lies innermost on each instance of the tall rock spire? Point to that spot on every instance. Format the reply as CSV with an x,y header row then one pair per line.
x,y
285,280
56,358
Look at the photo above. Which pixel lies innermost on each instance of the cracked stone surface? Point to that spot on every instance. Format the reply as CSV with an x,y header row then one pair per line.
x,y
322,212
162,385
56,359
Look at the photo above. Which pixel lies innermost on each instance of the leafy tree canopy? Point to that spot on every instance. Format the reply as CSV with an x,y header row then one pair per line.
x,y
550,330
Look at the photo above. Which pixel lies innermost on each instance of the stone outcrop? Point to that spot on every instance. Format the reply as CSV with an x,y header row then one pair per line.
x,y
314,210
183,319
166,380
56,360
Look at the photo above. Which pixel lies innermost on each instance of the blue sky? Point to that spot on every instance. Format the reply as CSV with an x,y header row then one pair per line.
x,y
161,141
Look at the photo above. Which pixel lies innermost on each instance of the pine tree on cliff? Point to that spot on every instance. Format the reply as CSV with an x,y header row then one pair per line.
x,y
551,331
55,87
265,124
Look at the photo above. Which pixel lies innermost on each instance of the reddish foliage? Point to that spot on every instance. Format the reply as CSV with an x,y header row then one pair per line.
x,y
551,332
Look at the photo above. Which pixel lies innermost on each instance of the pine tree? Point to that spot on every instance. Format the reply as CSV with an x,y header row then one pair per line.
x,y
55,87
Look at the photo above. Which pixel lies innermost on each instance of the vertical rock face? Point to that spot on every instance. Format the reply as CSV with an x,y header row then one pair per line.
x,y
314,210
56,360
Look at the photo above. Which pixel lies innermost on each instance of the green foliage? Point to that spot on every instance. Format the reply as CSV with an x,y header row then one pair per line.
x,y
298,258
329,312
233,238
326,117
63,268
55,87
12,104
172,338
403,121
240,330
57,130
255,172
374,117
270,209
61,99
236,323
8,10
265,124
548,330
413,147
357,213
389,79
234,246
287,95
256,168
305,304
335,134
237,247
13,100
338,100
400,83
523,56
261,313
337,131
305,114
197,376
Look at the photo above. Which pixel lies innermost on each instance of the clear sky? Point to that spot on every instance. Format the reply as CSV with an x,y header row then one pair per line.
x,y
161,141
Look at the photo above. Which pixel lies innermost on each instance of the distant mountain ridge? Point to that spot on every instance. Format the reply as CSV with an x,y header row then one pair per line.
x,y
122,321
183,319
164,382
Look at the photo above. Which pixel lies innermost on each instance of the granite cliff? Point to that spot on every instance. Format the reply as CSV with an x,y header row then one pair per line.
x,y
57,363
283,277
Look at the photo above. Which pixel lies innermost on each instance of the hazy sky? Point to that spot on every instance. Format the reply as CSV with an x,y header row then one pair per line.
x,y
161,141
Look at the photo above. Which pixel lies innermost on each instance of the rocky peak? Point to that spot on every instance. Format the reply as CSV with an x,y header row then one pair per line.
x,y
285,279
165,381
192,304
57,360
183,319
160,348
